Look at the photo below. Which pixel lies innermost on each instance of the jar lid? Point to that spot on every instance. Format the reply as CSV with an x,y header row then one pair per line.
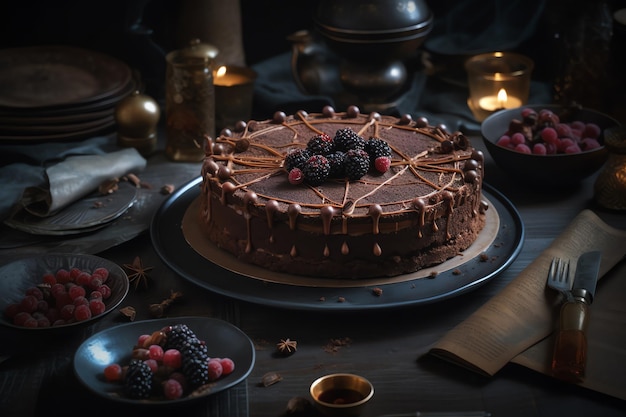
x,y
196,51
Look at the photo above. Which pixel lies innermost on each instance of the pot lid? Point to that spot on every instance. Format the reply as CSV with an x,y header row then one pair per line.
x,y
374,18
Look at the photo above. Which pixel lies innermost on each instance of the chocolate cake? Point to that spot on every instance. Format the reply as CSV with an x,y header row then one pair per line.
x,y
417,206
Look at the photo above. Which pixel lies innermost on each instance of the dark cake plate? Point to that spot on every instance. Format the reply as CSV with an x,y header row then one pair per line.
x,y
204,264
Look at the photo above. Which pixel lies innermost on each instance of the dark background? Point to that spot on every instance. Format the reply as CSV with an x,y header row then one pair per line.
x,y
105,25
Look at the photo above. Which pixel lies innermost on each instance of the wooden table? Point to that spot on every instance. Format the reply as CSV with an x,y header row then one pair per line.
x,y
386,346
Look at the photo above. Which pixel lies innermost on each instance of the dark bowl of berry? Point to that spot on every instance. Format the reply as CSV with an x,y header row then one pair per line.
x,y
166,361
57,291
547,145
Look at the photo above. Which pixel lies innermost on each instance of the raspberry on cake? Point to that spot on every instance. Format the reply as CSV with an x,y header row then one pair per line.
x,y
342,195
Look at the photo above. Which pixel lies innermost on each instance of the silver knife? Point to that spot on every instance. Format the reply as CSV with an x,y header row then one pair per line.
x,y
570,350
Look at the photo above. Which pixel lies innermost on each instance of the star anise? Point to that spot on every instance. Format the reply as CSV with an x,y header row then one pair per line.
x,y
287,346
139,273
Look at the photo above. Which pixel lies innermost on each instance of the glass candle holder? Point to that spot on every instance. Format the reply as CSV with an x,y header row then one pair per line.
x,y
497,81
234,91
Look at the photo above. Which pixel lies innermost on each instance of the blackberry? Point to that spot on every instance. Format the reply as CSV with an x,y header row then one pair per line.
x,y
138,379
316,169
193,352
296,159
376,147
346,139
177,335
356,163
195,358
335,160
321,144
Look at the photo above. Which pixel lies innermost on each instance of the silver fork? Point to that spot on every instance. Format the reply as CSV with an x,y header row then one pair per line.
x,y
559,277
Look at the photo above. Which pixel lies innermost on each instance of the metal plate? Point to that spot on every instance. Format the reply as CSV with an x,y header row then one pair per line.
x,y
171,245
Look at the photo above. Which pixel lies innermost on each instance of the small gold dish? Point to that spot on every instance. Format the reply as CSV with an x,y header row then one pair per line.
x,y
341,395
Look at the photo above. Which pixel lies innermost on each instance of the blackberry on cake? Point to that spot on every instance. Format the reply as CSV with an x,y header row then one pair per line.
x,y
346,139
296,158
356,164
316,170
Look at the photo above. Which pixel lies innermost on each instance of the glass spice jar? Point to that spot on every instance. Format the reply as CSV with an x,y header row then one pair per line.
x,y
610,185
189,101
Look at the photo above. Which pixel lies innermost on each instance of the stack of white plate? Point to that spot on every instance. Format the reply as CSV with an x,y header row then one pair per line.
x,y
59,92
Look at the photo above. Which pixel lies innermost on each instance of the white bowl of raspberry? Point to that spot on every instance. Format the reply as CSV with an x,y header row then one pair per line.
x,y
547,145
56,291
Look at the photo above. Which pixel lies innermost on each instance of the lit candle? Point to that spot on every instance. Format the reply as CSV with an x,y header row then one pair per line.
x,y
234,90
499,102
225,78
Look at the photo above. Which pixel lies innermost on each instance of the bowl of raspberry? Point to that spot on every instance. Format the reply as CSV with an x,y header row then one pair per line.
x,y
547,145
55,291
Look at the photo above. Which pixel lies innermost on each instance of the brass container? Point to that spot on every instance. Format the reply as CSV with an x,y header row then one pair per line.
x,y
190,101
137,117
341,395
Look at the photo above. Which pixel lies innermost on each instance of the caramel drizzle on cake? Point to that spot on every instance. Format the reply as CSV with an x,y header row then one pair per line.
x,y
447,174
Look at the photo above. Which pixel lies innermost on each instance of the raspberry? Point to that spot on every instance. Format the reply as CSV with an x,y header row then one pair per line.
x,y
357,163
95,282
153,364
96,306
95,295
335,160
172,389
172,358
156,352
80,301
76,291
295,176
74,273
82,312
43,322
549,135
113,372
102,272
346,139
63,276
517,139
296,158
83,279
105,290
215,369
316,169
35,292
142,338
30,322
57,289
29,304
20,318
382,164
320,145
228,366
49,279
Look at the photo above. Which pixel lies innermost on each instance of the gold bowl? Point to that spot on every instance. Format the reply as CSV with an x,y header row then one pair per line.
x,y
341,395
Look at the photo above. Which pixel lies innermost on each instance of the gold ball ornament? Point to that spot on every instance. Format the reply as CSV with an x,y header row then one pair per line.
x,y
137,117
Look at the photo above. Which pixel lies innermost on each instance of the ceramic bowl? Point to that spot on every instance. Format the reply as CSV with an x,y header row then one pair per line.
x,y
341,395
115,345
556,170
17,277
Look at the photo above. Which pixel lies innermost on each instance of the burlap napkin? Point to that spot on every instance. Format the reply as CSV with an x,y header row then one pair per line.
x,y
76,177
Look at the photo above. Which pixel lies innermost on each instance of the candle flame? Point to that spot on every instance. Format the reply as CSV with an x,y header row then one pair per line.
x,y
221,71
502,98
